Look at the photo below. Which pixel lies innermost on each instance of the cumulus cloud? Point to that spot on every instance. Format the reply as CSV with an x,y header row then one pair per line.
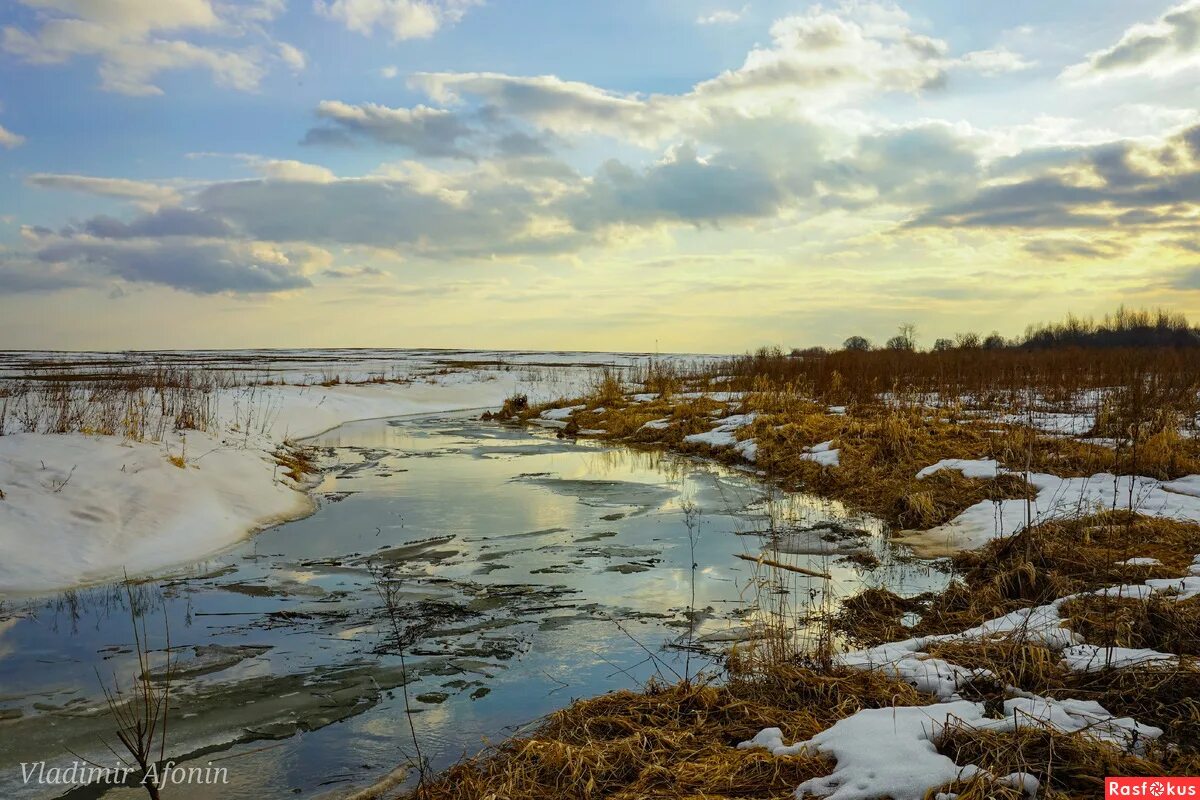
x,y
478,213
30,275
1169,44
680,188
197,267
290,170
119,188
1124,184
1187,279
424,130
817,60
292,56
776,142
168,221
136,40
9,140
399,19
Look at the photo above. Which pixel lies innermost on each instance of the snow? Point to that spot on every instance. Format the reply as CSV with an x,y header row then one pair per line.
x,y
970,468
824,454
1065,424
892,752
747,449
1071,716
560,414
1189,485
1091,658
723,434
880,752
1139,562
657,424
1056,497
1187,588
101,506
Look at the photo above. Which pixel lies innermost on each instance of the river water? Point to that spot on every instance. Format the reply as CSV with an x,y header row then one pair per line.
x,y
527,571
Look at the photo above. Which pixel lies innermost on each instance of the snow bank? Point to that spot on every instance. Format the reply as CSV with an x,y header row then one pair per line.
x,y
79,509
561,414
892,752
824,454
723,434
880,752
1090,658
1056,498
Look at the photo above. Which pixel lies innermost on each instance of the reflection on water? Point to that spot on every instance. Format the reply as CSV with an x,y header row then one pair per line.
x,y
540,570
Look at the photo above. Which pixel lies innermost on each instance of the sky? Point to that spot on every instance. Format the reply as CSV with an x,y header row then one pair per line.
x,y
648,175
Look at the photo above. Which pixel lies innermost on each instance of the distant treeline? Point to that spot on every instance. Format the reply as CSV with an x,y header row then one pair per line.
x,y
1124,328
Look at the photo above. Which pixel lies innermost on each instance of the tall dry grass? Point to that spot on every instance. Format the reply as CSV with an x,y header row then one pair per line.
x,y
142,403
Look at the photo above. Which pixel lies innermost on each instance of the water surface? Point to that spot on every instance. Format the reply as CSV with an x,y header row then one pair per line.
x,y
528,571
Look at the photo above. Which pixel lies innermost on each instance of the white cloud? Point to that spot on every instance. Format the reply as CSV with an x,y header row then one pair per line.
x,y
136,40
995,62
400,19
816,60
119,188
1169,44
292,56
389,72
721,17
9,140
295,171
134,15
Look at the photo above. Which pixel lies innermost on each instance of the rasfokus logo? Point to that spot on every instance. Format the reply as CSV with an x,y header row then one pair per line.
x,y
1151,787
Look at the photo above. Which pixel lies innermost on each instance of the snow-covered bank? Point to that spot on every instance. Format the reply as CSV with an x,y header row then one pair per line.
x,y
1056,498
80,509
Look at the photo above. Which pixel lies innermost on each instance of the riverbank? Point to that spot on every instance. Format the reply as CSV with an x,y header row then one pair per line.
x,y
81,507
1062,652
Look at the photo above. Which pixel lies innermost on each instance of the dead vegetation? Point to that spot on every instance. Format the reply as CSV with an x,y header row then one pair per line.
x,y
298,462
1069,412
675,741
141,403
1066,765
892,413
1159,622
1057,559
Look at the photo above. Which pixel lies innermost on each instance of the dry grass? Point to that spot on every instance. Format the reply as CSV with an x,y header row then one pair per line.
x,y
1159,622
1068,765
883,443
904,411
881,449
673,742
873,616
297,461
1056,559
138,402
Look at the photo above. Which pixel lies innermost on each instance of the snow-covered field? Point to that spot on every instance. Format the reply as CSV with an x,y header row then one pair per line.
x,y
80,509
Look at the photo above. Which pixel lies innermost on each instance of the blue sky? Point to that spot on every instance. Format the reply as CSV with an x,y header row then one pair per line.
x,y
704,176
